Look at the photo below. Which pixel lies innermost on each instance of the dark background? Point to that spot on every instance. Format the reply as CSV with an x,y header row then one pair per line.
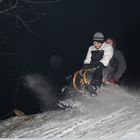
x,y
65,35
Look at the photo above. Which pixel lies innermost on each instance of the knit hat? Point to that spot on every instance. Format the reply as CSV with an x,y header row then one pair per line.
x,y
99,37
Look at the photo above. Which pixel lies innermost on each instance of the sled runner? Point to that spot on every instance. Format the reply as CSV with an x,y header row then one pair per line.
x,y
81,81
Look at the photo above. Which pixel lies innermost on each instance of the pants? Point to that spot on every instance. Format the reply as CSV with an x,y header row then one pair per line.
x,y
97,77
108,73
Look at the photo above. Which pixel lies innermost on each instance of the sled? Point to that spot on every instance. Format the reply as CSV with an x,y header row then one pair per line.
x,y
81,81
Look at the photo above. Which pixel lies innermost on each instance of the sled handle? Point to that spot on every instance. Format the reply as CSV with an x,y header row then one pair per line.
x,y
74,82
85,76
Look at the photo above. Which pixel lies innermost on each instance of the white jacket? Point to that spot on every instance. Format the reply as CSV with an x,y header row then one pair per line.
x,y
108,53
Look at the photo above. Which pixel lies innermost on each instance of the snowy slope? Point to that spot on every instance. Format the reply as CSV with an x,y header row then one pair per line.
x,y
114,113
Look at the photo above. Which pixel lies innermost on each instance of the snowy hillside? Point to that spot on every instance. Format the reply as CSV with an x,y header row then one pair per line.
x,y
114,113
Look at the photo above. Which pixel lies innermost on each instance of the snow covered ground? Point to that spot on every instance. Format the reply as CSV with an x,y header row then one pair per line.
x,y
114,113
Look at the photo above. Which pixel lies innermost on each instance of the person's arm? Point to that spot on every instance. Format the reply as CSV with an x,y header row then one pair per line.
x,y
122,66
108,53
88,57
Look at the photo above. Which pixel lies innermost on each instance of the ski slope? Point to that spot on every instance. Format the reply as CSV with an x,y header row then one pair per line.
x,y
114,113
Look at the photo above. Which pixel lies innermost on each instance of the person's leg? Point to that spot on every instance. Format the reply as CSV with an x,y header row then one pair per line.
x,y
97,78
108,74
96,81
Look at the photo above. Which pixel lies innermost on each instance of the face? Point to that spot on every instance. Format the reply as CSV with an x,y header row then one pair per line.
x,y
97,44
109,41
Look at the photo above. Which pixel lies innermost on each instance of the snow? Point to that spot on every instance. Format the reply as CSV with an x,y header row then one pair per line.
x,y
114,113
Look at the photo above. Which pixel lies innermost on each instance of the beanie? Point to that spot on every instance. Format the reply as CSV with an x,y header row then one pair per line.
x,y
99,37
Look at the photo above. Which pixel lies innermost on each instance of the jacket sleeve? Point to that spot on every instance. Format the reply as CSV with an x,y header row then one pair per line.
x,y
108,53
88,57
121,65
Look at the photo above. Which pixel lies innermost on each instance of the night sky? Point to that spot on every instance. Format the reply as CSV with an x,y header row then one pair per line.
x,y
65,34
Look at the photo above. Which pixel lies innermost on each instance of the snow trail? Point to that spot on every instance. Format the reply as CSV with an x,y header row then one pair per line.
x,y
114,113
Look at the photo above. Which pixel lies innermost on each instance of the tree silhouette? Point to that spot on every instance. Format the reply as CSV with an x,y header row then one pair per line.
x,y
25,12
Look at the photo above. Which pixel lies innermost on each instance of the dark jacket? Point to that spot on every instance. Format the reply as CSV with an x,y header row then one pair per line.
x,y
117,66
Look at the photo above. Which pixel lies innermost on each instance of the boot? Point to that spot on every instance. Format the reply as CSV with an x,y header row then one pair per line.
x,y
95,87
91,90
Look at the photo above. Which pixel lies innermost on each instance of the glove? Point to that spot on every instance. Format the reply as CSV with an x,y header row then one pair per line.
x,y
86,66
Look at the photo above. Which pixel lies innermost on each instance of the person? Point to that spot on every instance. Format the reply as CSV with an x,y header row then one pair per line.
x,y
98,58
117,65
